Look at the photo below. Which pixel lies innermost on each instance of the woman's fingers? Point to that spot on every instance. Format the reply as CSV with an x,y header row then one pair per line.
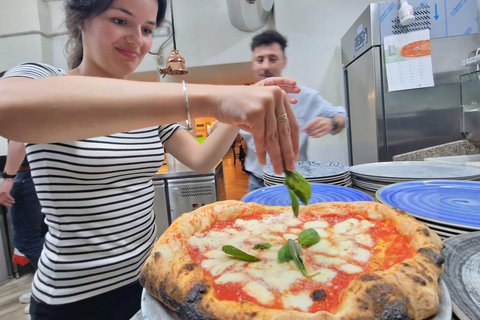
x,y
281,135
286,84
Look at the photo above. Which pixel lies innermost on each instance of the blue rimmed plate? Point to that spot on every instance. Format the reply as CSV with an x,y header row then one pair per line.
x,y
278,195
448,202
313,169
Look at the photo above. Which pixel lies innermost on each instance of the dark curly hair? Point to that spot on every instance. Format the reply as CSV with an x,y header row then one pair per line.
x,y
267,38
77,11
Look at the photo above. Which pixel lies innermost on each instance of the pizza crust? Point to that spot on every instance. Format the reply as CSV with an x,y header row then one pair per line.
x,y
408,290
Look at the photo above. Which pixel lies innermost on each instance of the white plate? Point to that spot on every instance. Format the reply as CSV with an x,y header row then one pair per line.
x,y
152,309
398,171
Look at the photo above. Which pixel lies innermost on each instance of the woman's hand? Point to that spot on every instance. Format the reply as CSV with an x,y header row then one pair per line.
x,y
256,109
5,198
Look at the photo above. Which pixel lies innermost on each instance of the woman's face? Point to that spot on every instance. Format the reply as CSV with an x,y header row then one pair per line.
x,y
116,41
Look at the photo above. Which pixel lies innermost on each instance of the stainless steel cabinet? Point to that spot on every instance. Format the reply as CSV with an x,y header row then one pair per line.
x,y
184,191
185,195
160,207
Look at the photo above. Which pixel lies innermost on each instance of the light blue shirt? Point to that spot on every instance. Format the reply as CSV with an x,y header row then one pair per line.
x,y
310,105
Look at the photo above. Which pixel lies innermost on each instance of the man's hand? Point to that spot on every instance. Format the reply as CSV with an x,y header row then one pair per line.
x,y
5,198
318,127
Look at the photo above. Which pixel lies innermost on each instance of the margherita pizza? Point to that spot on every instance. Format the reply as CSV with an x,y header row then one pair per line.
x,y
370,262
416,49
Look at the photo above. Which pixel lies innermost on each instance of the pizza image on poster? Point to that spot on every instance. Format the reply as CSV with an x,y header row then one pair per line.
x,y
416,49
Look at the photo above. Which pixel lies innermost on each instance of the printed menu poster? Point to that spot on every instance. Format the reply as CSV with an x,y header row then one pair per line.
x,y
408,61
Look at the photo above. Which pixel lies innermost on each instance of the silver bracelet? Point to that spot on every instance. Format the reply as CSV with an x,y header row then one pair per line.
x,y
189,122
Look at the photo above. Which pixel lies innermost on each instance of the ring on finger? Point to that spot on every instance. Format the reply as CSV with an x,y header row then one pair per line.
x,y
282,117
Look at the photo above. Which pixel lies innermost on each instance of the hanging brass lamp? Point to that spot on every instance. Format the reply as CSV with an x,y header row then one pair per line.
x,y
175,63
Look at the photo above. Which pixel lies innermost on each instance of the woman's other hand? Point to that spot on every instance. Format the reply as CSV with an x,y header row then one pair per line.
x,y
286,84
5,198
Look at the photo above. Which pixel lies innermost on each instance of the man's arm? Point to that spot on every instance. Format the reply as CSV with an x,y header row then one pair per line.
x,y
15,156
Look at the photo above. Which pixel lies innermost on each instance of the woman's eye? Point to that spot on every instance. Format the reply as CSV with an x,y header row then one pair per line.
x,y
120,22
148,31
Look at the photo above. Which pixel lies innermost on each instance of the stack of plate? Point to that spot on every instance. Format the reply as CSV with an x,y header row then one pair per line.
x,y
278,195
315,172
448,207
372,176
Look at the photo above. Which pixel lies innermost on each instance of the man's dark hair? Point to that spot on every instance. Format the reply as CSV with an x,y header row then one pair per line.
x,y
267,38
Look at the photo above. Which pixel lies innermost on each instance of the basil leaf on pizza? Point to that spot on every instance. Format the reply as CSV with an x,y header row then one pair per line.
x,y
262,246
308,237
237,253
371,262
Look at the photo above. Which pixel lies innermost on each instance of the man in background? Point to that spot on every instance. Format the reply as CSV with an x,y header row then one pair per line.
x,y
316,116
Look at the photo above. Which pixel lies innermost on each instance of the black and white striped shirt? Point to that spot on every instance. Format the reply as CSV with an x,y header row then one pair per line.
x,y
97,197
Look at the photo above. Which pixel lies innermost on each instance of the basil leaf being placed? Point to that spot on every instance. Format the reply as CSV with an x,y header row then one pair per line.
x,y
237,253
295,204
299,187
308,237
262,246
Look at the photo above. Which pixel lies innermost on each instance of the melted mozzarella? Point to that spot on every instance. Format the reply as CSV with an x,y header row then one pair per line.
x,y
325,275
346,226
259,292
328,261
282,280
230,277
364,239
316,225
324,246
361,255
287,236
351,268
300,301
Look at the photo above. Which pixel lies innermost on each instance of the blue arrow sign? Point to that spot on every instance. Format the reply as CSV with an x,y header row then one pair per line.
x,y
436,13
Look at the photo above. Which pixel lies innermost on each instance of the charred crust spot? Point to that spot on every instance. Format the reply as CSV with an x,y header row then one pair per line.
x,y
157,255
436,257
396,311
401,211
188,267
253,314
196,293
207,306
379,292
142,279
187,309
429,278
362,304
406,264
318,295
419,280
369,277
426,232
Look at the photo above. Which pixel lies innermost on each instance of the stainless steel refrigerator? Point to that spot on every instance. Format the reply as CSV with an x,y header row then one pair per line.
x,y
382,123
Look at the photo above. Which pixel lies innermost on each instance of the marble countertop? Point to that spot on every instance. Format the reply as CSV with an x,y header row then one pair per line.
x,y
457,148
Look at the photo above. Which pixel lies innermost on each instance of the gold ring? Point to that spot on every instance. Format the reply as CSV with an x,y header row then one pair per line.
x,y
282,118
